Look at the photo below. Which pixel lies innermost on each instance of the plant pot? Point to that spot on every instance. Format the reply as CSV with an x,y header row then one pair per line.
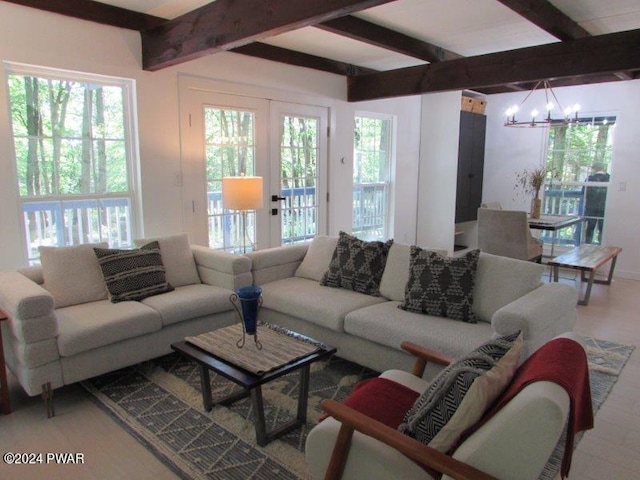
x,y
536,207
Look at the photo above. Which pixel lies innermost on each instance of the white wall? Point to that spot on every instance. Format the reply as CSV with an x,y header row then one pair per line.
x,y
509,150
40,38
438,170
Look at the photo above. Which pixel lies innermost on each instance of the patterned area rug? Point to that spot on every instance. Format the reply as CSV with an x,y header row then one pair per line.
x,y
160,403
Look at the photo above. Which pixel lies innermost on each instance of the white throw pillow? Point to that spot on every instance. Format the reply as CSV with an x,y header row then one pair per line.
x,y
72,274
502,280
177,258
396,272
318,257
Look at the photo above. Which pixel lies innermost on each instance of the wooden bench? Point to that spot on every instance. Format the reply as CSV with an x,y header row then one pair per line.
x,y
587,258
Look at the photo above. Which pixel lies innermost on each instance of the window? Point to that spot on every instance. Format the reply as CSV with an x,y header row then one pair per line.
x,y
371,176
580,157
230,151
72,136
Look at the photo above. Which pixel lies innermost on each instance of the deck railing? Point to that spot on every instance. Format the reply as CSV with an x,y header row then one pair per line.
x,y
72,222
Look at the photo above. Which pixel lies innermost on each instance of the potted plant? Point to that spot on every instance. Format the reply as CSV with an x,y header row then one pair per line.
x,y
530,182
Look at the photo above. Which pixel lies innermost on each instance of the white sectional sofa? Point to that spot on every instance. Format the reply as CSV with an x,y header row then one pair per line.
x,y
508,296
62,328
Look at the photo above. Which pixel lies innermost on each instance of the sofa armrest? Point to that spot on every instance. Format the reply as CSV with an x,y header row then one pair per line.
x,y
29,306
222,269
276,263
541,314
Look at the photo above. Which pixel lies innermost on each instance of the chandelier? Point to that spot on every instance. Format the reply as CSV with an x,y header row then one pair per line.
x,y
538,120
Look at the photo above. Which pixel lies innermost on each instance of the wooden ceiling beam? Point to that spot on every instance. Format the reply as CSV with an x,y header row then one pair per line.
x,y
603,54
227,24
547,17
364,31
299,59
96,12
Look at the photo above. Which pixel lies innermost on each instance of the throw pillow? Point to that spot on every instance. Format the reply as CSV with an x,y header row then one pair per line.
x,y
177,258
460,394
357,265
133,274
317,259
72,274
441,286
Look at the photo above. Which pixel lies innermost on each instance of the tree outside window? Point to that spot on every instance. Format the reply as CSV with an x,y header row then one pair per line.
x,y
71,136
580,157
371,176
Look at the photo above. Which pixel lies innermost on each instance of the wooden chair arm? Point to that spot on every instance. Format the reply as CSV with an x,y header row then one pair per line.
x,y
419,452
424,355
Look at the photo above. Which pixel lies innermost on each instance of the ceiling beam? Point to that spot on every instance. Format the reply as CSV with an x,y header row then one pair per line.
x,y
299,59
364,31
95,12
601,54
547,17
227,24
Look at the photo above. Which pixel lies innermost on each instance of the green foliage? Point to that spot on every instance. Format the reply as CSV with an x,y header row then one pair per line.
x,y
572,150
69,137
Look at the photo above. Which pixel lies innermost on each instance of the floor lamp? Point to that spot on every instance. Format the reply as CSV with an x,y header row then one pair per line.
x,y
243,194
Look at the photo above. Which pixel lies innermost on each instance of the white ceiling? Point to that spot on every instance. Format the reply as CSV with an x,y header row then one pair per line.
x,y
466,27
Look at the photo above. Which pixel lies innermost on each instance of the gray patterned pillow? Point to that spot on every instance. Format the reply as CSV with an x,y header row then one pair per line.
x,y
357,265
460,394
441,286
133,274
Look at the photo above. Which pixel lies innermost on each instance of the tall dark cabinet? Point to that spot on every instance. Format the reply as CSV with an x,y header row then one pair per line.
x,y
470,165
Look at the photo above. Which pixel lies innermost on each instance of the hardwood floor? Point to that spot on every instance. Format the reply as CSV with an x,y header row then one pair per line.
x,y
610,451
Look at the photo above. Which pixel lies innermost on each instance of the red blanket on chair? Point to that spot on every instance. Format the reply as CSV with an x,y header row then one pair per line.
x,y
562,361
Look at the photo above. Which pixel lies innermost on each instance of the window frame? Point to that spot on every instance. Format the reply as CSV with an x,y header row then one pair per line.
x,y
130,140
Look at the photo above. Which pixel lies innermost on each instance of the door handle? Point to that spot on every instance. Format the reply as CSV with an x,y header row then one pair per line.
x,y
275,198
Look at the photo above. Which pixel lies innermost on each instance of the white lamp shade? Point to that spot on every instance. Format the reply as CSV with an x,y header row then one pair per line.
x,y
242,193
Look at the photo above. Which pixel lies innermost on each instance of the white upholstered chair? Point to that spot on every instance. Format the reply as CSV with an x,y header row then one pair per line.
x,y
507,233
514,444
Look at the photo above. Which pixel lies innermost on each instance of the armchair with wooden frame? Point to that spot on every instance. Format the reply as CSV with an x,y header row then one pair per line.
x,y
515,443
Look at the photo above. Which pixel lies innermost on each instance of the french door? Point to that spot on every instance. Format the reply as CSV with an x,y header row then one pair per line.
x,y
286,144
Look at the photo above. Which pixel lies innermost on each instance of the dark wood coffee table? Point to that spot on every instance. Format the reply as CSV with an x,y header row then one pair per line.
x,y
252,384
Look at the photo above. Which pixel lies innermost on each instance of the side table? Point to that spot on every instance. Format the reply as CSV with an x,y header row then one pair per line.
x,y
5,401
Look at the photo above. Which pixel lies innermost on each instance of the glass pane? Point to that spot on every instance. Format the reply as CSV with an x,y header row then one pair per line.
x,y
299,150
580,157
370,176
229,151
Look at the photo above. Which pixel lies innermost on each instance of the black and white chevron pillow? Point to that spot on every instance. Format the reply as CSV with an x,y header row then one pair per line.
x,y
441,286
440,415
133,274
357,265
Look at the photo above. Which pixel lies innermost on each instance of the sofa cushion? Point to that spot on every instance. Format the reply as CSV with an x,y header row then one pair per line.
x,y
386,324
177,258
316,261
133,274
92,325
357,265
190,301
308,300
502,280
72,274
440,285
459,396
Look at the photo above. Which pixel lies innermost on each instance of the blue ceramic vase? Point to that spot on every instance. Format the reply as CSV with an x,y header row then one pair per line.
x,y
250,299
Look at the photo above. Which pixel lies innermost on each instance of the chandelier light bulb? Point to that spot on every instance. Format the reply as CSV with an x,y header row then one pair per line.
x,y
534,113
576,107
550,106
